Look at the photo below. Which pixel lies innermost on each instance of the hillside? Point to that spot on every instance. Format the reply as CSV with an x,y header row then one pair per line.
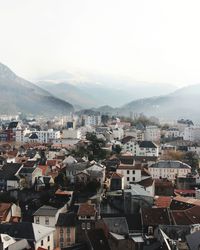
x,y
184,102
19,95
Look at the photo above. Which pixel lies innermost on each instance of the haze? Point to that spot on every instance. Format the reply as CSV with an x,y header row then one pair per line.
x,y
149,41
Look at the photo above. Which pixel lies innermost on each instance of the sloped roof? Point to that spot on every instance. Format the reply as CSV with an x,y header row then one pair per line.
x,y
25,230
9,170
170,164
66,219
46,211
117,225
163,201
155,216
86,209
147,144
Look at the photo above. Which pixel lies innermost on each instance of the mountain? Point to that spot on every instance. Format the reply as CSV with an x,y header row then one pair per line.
x,y
94,90
69,92
19,95
183,103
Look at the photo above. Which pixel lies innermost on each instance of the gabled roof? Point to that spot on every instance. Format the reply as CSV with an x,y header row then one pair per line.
x,y
86,209
147,144
127,139
163,201
146,182
12,125
170,164
25,230
117,225
98,240
66,219
116,176
46,211
155,216
8,171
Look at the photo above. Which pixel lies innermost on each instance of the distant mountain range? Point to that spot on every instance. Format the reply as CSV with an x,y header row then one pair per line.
x,y
109,95
92,90
183,103
19,95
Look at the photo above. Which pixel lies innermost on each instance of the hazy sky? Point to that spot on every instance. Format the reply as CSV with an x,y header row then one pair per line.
x,y
148,40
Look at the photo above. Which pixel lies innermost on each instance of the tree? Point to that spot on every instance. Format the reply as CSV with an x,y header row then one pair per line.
x,y
117,149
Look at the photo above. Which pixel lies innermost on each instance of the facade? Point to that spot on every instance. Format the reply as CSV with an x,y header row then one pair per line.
x,y
140,148
192,133
131,173
92,120
152,133
169,169
65,230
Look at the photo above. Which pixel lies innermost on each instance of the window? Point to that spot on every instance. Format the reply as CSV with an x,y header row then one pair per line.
x,y
48,238
47,220
41,242
48,248
88,226
61,230
68,229
133,172
127,171
127,178
133,179
83,225
68,239
37,220
61,239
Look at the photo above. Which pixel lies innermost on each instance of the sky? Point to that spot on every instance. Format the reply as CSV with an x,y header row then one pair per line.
x,y
155,41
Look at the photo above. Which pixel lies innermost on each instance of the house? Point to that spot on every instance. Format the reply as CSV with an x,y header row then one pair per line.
x,y
73,169
47,215
139,148
66,229
28,176
135,198
153,217
44,182
87,215
9,212
169,170
97,172
152,133
116,182
131,173
36,235
10,243
9,176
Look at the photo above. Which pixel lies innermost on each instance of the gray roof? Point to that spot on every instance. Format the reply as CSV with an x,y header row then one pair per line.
x,y
117,225
170,164
46,211
193,240
77,166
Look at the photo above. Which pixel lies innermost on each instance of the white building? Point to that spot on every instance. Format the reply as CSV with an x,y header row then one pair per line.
x,y
44,136
192,133
47,215
137,134
92,120
172,133
131,173
152,133
71,133
169,169
139,148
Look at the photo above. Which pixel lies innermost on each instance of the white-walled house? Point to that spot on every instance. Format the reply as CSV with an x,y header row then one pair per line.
x,y
169,169
131,173
192,133
36,235
44,136
71,133
47,215
152,133
139,148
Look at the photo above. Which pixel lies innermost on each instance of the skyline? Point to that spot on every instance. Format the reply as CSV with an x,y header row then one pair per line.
x,y
145,41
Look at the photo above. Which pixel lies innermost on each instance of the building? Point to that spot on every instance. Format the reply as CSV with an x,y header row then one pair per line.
x,y
152,133
66,230
169,169
47,215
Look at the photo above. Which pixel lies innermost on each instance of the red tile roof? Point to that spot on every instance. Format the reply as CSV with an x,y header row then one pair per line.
x,y
116,176
163,201
86,209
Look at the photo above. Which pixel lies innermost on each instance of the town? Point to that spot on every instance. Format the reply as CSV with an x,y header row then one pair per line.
x,y
95,181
